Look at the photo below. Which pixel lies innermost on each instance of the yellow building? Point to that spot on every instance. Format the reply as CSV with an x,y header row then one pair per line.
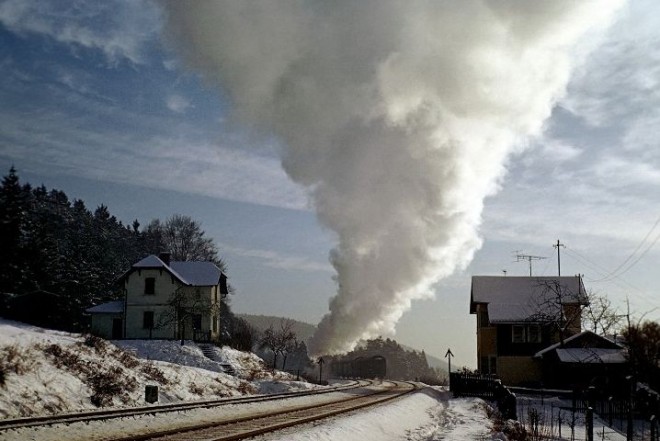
x,y
517,317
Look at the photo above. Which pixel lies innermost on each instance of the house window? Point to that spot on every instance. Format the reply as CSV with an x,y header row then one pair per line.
x,y
150,285
215,294
148,319
526,334
534,334
518,334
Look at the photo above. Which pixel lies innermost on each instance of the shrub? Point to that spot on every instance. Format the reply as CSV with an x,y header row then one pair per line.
x,y
14,359
127,359
155,374
246,388
106,385
97,343
195,389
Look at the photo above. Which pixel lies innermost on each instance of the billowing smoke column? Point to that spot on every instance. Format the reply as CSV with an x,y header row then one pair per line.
x,y
398,116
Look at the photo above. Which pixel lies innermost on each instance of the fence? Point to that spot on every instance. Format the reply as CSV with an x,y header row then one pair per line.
x,y
489,387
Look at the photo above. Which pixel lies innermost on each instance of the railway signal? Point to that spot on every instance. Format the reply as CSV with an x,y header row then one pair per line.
x,y
448,356
321,362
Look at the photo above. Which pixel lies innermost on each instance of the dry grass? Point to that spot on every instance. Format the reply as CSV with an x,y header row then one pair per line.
x,y
15,360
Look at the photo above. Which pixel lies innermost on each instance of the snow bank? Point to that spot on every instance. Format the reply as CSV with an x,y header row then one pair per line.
x,y
48,372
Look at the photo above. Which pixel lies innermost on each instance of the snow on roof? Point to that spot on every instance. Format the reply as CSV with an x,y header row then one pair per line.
x,y
515,299
114,307
573,339
198,273
591,355
188,273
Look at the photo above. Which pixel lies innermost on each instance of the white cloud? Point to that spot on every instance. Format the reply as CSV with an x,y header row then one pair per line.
x,y
119,29
277,260
559,151
177,103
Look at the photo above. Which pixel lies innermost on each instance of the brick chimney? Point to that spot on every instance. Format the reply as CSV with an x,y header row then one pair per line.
x,y
165,257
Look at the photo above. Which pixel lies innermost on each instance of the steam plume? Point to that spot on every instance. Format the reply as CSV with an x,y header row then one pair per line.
x,y
398,116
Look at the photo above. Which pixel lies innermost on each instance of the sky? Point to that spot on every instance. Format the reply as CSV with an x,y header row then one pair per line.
x,y
101,100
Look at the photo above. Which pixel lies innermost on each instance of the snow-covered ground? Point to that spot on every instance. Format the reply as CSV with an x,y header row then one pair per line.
x,y
49,372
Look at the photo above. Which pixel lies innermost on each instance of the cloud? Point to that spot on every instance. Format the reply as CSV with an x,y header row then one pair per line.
x,y
172,156
120,29
622,78
177,103
278,260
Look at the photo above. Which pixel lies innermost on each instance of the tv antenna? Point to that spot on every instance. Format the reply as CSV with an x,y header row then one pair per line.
x,y
529,258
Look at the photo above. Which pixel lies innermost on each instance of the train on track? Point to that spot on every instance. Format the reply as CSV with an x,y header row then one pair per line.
x,y
360,367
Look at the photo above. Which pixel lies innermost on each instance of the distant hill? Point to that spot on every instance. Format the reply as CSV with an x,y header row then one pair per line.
x,y
305,330
261,322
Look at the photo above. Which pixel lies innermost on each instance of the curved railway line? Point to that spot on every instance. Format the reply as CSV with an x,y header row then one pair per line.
x,y
233,426
97,415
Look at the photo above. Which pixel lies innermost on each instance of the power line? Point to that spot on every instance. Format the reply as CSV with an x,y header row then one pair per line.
x,y
620,282
615,272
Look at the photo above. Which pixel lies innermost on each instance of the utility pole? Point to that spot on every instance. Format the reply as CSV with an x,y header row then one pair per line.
x,y
528,258
558,245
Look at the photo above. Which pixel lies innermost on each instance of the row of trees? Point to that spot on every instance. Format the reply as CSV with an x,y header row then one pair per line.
x,y
402,364
54,245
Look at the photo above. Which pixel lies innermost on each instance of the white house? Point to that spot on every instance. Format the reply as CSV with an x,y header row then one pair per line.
x,y
164,299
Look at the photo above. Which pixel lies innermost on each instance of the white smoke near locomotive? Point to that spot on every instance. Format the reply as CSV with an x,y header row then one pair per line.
x,y
398,117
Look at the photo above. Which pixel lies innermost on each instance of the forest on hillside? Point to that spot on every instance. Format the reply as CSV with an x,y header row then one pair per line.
x,y
71,256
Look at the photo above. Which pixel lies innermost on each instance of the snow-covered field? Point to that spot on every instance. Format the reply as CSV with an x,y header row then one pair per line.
x,y
48,372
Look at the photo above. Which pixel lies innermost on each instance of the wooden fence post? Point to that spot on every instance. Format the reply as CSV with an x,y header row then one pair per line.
x,y
590,424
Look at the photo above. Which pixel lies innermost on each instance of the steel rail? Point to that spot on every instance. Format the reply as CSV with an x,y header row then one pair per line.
x,y
266,422
95,415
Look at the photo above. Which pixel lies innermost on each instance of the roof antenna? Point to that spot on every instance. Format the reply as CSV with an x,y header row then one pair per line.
x,y
529,258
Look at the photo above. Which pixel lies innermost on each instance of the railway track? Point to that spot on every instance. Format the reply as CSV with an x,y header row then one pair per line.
x,y
252,425
98,415
220,420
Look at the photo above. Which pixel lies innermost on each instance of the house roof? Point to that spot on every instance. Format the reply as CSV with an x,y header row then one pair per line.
x,y
188,273
518,299
114,307
586,347
581,340
591,355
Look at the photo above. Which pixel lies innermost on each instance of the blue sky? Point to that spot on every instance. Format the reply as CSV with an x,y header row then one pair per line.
x,y
95,103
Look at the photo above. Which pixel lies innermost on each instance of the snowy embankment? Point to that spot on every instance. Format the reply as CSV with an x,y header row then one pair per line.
x,y
52,372
48,372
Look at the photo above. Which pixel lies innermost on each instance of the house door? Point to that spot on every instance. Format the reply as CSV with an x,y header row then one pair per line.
x,y
116,328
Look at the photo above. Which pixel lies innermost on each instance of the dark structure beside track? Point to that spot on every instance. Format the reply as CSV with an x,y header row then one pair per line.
x,y
360,367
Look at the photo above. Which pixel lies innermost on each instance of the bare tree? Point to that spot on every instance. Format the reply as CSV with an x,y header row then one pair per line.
x,y
559,307
599,314
643,341
278,341
182,308
184,238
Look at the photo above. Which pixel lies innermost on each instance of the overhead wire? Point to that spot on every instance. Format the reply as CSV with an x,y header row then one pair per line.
x,y
615,272
620,282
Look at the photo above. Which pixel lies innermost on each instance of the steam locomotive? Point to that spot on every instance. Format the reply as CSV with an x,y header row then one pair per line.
x,y
360,367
